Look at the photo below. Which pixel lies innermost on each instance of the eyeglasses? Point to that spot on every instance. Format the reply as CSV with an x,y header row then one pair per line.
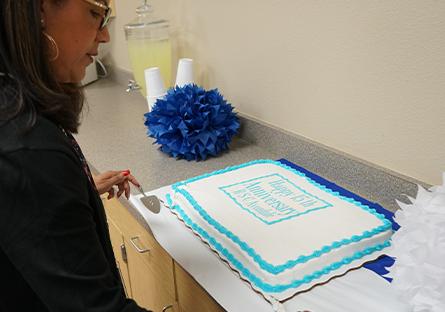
x,y
107,14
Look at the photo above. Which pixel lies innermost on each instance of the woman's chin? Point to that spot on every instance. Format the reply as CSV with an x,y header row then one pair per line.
x,y
77,76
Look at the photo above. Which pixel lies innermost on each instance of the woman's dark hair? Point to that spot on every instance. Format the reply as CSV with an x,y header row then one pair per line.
x,y
28,87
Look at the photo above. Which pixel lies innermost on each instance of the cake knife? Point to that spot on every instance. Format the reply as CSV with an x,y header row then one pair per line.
x,y
150,202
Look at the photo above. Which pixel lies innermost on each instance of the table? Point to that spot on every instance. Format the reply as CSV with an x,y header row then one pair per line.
x,y
359,290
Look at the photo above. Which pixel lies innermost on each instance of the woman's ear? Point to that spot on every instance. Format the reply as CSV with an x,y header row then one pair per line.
x,y
49,10
43,10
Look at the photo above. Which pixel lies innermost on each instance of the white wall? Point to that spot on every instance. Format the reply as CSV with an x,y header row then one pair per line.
x,y
364,77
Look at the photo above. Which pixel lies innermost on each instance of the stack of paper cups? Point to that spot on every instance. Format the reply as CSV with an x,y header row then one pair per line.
x,y
155,86
184,75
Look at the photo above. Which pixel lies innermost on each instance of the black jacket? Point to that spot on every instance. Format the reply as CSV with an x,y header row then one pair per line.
x,y
55,250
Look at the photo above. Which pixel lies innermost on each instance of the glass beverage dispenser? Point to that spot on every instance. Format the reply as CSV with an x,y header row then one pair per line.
x,y
149,45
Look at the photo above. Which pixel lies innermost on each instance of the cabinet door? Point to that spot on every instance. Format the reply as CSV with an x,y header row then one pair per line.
x,y
191,296
148,285
149,265
119,248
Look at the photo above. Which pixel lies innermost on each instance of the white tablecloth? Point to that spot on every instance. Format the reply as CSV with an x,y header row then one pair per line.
x,y
359,290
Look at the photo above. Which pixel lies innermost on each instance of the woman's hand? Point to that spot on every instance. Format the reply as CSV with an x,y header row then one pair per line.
x,y
106,181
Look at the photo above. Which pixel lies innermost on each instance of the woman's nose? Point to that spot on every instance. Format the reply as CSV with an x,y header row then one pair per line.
x,y
103,35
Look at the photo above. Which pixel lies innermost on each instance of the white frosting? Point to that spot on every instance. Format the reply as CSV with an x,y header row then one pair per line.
x,y
261,204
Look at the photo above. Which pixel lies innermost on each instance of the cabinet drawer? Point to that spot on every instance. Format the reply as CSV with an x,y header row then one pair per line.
x,y
191,296
148,288
152,257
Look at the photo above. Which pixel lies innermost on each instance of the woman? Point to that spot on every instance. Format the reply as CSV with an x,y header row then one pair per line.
x,y
55,250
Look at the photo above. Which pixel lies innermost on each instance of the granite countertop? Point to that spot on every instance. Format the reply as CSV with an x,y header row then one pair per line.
x,y
113,137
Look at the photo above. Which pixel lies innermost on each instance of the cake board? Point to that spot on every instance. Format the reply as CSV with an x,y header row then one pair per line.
x,y
358,288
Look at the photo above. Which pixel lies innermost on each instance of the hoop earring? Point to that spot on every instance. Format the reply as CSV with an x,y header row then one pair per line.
x,y
54,44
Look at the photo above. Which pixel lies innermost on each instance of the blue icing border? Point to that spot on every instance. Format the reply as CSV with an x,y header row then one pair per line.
x,y
255,280
222,188
276,269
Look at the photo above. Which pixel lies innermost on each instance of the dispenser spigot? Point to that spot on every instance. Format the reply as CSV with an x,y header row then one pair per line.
x,y
132,86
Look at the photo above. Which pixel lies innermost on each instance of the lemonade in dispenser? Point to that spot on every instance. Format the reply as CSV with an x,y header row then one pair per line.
x,y
149,45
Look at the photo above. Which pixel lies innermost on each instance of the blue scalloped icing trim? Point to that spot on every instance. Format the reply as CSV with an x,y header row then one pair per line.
x,y
327,205
255,280
276,269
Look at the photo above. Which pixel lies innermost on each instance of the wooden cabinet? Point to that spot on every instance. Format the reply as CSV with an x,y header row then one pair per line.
x,y
150,289
151,270
142,261
117,241
191,296
155,281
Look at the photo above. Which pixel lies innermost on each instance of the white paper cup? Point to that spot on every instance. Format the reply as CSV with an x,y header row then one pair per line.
x,y
184,74
151,100
154,83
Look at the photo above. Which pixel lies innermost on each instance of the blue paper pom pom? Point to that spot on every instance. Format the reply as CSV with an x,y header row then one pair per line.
x,y
192,123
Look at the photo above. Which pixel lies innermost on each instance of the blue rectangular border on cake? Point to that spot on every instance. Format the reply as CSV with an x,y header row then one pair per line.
x,y
223,189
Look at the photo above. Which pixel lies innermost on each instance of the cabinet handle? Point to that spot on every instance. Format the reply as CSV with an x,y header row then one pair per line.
x,y
139,250
167,307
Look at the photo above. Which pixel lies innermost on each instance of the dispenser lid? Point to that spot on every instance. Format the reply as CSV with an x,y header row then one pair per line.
x,y
145,23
